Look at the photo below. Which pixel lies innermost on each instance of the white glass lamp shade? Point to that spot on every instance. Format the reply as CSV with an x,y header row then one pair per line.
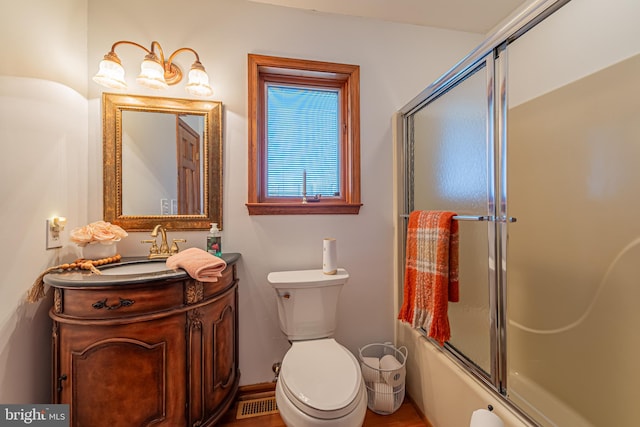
x,y
152,74
198,84
110,74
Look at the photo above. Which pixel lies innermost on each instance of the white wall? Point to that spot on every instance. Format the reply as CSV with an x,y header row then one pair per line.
x,y
43,169
45,40
51,136
397,61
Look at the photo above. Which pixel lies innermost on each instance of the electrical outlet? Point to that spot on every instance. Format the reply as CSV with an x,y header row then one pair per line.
x,y
54,239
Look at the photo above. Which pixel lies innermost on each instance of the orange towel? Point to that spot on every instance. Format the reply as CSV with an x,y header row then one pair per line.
x,y
198,264
431,272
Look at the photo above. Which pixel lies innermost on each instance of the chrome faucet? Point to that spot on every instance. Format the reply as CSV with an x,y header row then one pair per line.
x,y
164,251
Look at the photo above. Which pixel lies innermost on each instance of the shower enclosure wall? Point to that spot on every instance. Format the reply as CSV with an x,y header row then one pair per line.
x,y
535,139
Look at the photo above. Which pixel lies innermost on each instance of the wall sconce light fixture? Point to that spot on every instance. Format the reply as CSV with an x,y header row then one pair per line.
x,y
155,71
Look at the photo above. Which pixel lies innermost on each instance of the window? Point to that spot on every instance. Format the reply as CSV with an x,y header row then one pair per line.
x,y
304,137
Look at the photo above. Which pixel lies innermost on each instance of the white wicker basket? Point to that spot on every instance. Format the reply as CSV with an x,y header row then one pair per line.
x,y
383,370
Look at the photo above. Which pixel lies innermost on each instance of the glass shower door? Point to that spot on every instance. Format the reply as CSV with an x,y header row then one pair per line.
x,y
450,159
572,272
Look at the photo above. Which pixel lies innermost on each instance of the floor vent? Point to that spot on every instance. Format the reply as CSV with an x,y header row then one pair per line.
x,y
256,407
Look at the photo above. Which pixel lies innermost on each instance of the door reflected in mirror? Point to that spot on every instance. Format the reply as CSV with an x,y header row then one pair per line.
x,y
154,181
162,162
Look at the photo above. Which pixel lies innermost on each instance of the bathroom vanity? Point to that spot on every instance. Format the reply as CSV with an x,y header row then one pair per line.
x,y
138,347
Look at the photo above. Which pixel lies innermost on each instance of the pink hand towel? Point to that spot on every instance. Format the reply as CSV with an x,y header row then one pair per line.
x,y
199,264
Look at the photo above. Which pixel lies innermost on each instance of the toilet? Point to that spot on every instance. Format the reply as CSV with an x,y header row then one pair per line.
x,y
320,383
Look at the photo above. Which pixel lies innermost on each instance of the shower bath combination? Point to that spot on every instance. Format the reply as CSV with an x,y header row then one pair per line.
x,y
518,129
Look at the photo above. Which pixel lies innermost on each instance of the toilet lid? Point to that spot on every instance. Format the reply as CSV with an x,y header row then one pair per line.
x,y
322,378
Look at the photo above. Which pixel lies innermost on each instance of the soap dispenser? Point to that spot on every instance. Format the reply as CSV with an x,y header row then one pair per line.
x,y
214,240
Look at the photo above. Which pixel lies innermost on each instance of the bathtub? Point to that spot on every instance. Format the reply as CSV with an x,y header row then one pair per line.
x,y
443,391
547,409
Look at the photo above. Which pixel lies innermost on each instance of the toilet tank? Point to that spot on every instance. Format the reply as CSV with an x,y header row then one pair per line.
x,y
307,302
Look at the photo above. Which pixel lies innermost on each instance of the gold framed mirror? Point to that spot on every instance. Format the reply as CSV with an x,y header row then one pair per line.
x,y
162,162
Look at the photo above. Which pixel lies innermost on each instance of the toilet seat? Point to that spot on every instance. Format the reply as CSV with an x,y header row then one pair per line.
x,y
321,378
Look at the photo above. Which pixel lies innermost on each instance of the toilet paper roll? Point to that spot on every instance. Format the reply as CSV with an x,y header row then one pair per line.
x,y
393,372
383,400
485,418
329,256
370,368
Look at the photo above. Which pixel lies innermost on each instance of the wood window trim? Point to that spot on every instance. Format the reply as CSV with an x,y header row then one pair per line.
x,y
288,69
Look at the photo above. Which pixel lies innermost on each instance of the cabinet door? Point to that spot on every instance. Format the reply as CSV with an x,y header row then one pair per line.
x,y
213,347
124,375
221,358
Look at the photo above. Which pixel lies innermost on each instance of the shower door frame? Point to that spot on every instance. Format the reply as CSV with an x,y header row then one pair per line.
x,y
487,64
493,52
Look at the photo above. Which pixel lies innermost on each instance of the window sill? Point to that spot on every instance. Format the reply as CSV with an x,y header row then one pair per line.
x,y
303,209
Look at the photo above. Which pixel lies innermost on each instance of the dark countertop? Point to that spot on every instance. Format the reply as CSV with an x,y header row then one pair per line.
x,y
84,278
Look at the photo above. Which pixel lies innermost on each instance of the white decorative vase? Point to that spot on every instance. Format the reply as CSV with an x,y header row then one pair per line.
x,y
97,250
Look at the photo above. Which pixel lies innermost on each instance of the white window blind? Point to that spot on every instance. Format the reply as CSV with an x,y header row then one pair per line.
x,y
302,135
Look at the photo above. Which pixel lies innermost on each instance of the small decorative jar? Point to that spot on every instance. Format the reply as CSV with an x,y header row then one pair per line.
x,y
98,250
98,239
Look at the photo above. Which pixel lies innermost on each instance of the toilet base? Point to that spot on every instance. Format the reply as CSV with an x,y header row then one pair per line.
x,y
293,417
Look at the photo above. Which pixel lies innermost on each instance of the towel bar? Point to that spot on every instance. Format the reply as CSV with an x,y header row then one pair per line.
x,y
472,218
475,218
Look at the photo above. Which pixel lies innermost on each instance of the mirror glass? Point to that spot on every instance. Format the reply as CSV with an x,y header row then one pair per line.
x,y
162,162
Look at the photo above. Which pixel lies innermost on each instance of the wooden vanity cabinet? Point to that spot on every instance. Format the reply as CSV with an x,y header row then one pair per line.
x,y
161,353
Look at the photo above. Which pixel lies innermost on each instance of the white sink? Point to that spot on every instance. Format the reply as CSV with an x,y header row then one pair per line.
x,y
136,268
